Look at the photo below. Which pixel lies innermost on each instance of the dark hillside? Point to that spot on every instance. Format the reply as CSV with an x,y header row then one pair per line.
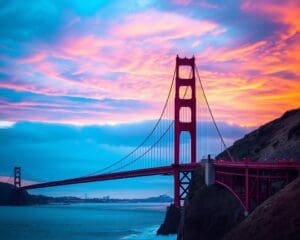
x,y
9,195
278,218
210,212
276,140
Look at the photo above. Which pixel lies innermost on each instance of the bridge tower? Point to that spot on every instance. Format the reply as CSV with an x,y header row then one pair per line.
x,y
182,179
17,177
17,183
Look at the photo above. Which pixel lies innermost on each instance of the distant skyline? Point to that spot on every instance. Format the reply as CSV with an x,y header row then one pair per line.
x,y
72,72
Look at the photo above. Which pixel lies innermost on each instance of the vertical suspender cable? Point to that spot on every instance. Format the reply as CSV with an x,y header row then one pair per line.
x,y
212,117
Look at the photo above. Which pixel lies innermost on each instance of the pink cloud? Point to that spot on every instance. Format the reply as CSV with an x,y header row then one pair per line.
x,y
84,46
182,2
140,69
135,59
163,26
198,3
33,58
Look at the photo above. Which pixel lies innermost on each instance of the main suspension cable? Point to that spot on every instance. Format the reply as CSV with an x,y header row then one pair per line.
x,y
146,138
154,144
149,149
212,116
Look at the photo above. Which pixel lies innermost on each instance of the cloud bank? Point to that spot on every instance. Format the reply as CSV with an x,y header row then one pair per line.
x,y
55,151
85,63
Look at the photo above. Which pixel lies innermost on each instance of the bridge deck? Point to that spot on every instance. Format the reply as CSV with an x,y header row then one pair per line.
x,y
163,171
259,165
118,175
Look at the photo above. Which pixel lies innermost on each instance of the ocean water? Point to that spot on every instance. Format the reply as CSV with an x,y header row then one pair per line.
x,y
83,222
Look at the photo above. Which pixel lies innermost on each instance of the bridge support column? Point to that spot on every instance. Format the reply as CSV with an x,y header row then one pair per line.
x,y
247,196
182,181
17,177
184,122
176,186
185,178
209,172
17,183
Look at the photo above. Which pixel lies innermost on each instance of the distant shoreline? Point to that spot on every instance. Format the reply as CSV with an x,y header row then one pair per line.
x,y
71,200
9,196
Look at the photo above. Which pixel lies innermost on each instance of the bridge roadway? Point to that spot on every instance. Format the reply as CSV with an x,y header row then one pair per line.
x,y
165,170
253,182
284,164
249,182
168,170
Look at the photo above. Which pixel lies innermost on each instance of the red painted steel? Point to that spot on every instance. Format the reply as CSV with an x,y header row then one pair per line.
x,y
184,126
17,177
253,182
118,175
246,188
233,176
176,175
233,193
261,165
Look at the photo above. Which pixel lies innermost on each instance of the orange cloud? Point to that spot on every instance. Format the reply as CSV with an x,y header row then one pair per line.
x,y
287,12
255,82
135,60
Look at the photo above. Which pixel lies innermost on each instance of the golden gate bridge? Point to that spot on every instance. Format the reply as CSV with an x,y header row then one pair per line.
x,y
164,151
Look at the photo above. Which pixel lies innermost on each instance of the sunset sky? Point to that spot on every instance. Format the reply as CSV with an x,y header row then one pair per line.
x,y
71,71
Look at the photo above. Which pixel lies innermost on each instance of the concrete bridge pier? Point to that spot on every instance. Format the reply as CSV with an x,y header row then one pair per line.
x,y
209,171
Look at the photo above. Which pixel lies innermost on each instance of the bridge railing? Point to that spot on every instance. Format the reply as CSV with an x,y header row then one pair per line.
x,y
255,164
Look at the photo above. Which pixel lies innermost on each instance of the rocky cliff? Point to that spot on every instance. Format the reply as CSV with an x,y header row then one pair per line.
x,y
277,218
209,212
171,222
276,140
10,195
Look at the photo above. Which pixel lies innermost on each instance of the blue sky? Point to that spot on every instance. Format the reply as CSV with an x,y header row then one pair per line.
x,y
48,151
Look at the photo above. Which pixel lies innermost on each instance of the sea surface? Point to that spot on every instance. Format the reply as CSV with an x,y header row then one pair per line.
x,y
83,221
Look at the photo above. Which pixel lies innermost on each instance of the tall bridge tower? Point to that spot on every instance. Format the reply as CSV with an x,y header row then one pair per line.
x,y
184,103
17,183
17,177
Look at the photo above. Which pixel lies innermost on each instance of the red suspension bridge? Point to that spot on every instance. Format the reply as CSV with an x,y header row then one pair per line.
x,y
165,151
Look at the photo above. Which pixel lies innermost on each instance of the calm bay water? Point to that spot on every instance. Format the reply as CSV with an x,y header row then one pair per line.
x,y
83,221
